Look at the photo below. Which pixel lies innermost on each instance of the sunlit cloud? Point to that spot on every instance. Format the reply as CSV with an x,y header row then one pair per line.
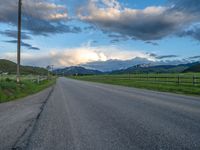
x,y
78,55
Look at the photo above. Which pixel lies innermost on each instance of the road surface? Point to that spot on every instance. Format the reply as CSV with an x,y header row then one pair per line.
x,y
79,115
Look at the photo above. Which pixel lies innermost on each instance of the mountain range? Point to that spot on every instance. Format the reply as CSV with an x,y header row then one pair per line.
x,y
194,68
189,67
143,68
111,65
76,70
10,67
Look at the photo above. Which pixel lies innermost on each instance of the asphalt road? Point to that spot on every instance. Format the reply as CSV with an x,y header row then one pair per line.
x,y
80,115
18,118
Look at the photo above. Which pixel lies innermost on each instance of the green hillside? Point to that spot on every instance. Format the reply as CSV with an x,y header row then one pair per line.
x,y
152,69
10,67
159,69
76,70
195,68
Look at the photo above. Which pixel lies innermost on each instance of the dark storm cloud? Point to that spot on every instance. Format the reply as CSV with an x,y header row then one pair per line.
x,y
29,46
162,56
90,28
118,37
195,57
41,17
151,23
34,48
193,32
43,27
115,41
151,42
166,56
13,34
152,54
192,6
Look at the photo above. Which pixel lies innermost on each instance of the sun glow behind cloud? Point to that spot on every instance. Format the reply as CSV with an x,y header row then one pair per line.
x,y
79,55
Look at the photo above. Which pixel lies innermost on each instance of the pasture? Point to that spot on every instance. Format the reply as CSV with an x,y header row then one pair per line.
x,y
184,83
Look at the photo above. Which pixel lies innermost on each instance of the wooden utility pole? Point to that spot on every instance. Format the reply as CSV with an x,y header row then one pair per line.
x,y
19,40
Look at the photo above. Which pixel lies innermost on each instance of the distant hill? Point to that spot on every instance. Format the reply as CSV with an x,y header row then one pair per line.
x,y
76,70
155,69
10,67
194,68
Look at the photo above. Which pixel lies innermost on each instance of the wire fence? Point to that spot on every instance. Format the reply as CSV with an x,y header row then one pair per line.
x,y
162,78
177,79
32,78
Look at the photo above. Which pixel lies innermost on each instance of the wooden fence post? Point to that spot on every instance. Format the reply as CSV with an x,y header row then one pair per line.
x,y
194,80
178,79
38,79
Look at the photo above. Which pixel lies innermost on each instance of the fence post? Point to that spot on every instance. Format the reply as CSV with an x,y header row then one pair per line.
x,y
194,80
38,79
178,79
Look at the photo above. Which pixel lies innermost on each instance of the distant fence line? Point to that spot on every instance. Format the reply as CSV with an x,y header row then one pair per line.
x,y
194,80
33,78
159,78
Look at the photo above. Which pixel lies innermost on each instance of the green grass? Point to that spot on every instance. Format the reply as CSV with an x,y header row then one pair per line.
x,y
169,84
10,90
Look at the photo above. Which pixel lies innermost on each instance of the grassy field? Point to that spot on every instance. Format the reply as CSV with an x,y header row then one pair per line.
x,y
187,83
10,90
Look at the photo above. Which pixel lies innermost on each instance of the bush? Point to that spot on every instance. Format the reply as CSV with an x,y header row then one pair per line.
x,y
8,80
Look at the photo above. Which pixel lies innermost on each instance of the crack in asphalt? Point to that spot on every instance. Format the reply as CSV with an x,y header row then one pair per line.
x,y
23,140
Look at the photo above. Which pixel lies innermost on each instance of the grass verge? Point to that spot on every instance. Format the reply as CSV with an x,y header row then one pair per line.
x,y
150,85
10,90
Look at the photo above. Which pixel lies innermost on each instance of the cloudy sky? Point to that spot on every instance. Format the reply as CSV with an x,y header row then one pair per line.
x,y
73,32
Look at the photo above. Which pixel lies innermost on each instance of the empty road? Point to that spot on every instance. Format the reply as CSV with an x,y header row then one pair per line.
x,y
79,115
